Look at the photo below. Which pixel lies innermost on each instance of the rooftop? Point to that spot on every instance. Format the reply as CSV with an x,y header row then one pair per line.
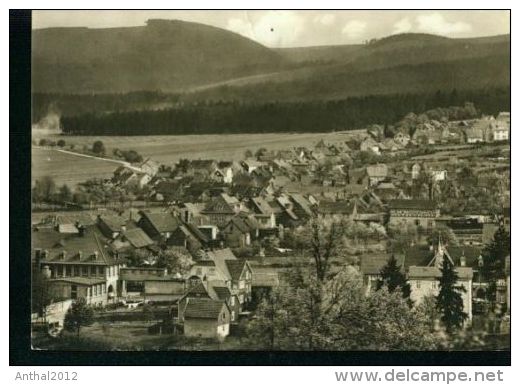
x,y
203,308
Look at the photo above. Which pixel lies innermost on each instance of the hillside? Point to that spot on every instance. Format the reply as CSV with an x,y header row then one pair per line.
x,y
402,63
163,55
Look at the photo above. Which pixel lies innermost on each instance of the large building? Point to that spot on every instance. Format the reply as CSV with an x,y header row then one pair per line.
x,y
420,212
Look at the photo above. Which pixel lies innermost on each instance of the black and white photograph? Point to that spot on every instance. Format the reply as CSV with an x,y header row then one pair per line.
x,y
270,180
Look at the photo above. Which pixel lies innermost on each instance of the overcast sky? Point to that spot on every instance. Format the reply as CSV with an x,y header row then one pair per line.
x,y
299,28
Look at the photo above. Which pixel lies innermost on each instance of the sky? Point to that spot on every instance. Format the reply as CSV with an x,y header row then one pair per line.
x,y
300,28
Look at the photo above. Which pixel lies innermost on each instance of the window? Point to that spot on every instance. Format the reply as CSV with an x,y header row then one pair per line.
x,y
434,285
77,271
88,291
418,284
73,292
94,289
60,271
69,271
101,270
232,315
84,271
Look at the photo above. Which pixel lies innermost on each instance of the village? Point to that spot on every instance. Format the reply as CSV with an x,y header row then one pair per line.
x,y
198,248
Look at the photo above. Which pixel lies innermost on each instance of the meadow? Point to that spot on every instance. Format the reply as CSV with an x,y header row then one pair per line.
x,y
72,169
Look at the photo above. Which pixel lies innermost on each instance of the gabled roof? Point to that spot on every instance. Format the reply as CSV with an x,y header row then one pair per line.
x,y
415,272
261,205
339,207
67,228
412,204
202,164
371,264
137,238
87,248
302,203
203,308
113,222
235,267
162,222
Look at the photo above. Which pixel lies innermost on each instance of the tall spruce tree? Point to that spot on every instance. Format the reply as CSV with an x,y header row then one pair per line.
x,y
494,257
449,299
495,253
393,278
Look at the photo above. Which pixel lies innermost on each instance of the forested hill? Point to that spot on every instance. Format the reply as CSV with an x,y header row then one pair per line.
x,y
166,55
305,116
174,56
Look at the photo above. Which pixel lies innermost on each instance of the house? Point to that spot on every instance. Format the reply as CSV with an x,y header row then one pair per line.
x,y
93,290
474,135
132,279
263,212
302,207
334,209
439,175
158,225
127,175
188,236
377,173
215,290
419,212
85,255
220,209
467,230
202,167
370,265
149,167
265,280
369,144
500,131
206,318
192,213
249,165
402,139
240,230
424,280
224,171
165,290
134,238
504,117
416,171
222,265
111,225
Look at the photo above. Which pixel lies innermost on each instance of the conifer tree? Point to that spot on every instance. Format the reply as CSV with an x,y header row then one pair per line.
x,y
393,278
449,299
494,256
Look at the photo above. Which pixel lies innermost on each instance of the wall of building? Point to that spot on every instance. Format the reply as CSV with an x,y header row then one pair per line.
x,y
424,287
203,328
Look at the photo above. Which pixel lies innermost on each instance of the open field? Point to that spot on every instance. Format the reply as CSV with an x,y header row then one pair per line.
x,y
68,168
71,169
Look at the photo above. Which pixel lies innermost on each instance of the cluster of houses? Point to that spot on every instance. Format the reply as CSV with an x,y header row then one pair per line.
x,y
213,209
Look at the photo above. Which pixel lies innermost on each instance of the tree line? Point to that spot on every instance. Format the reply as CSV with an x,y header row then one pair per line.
x,y
215,117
